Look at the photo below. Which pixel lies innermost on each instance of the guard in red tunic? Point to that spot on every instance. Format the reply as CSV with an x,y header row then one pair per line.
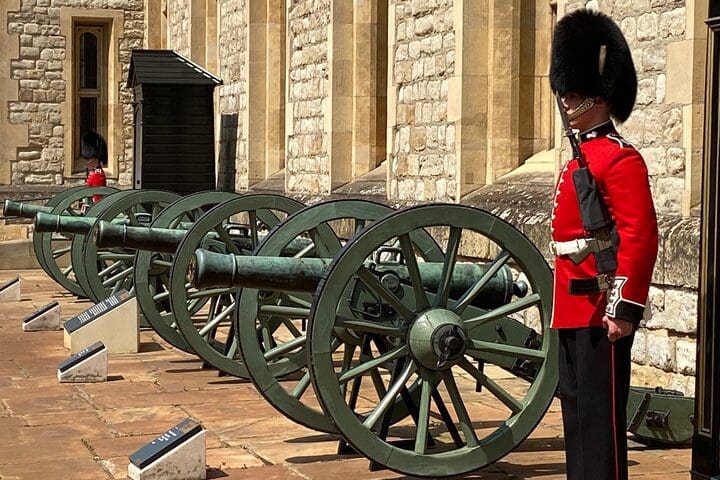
x,y
602,276
94,150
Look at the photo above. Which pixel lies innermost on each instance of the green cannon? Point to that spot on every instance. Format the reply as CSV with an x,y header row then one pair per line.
x,y
52,251
166,240
210,269
23,209
63,232
403,345
80,194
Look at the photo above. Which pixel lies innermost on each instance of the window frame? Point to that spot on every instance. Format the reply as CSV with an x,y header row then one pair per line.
x,y
101,32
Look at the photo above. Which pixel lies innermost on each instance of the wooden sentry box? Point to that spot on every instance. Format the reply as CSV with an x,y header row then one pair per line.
x,y
174,122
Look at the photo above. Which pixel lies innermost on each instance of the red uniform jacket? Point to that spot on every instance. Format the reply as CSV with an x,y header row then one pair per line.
x,y
96,178
622,177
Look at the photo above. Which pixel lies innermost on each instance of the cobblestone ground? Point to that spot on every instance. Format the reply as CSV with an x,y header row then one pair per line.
x,y
87,431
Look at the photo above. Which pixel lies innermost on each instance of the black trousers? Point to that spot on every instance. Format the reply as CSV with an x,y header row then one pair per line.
x,y
594,384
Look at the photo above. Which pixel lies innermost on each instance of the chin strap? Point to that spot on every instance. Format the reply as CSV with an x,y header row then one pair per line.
x,y
586,105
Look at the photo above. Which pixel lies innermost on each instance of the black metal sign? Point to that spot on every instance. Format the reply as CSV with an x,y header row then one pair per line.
x,y
83,354
166,442
97,310
9,283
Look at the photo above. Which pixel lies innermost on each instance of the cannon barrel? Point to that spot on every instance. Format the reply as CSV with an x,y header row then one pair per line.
x,y
26,210
163,240
209,269
166,240
45,222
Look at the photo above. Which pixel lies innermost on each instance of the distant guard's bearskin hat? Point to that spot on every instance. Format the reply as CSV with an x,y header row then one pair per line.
x,y
92,145
590,57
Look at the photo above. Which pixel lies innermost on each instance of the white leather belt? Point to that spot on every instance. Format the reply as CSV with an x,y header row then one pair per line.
x,y
572,246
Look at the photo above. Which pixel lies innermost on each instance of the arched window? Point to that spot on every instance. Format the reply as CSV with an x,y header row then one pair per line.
x,y
90,91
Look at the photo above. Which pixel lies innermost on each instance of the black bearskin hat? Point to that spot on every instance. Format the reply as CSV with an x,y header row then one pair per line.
x,y
590,57
92,145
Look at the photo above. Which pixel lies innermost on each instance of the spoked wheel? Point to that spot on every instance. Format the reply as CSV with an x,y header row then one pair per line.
x,y
102,272
53,249
440,338
52,203
208,331
152,269
290,309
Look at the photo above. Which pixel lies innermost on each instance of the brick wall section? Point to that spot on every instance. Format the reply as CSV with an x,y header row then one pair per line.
x,y
232,94
42,90
422,161
307,161
179,21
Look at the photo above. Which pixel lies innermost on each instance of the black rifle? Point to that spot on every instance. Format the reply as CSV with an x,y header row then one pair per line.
x,y
595,216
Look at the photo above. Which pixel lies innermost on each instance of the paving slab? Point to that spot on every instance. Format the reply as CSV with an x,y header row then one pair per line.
x,y
87,431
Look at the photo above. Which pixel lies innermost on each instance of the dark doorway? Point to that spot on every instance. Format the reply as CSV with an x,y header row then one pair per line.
x,y
706,442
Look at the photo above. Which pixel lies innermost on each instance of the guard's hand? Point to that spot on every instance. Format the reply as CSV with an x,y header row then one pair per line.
x,y
616,328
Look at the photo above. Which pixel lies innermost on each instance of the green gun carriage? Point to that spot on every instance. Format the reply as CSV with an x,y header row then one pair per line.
x,y
400,335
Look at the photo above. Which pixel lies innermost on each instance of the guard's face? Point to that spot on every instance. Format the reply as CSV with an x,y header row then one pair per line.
x,y
571,102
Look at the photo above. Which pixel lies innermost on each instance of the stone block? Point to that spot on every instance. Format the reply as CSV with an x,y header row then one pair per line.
x,y
87,366
681,250
639,353
660,350
10,291
685,356
117,328
186,461
44,319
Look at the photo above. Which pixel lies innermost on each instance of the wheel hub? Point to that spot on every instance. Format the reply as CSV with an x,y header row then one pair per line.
x,y
437,339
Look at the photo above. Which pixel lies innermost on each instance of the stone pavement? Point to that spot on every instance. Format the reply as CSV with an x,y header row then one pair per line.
x,y
87,431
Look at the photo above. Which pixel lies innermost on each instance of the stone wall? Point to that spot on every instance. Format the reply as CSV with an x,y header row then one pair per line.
x,y
232,94
422,161
42,72
307,160
178,12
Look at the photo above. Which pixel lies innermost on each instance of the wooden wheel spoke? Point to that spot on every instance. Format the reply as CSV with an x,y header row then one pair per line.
x,y
453,246
463,417
498,392
284,348
105,256
300,302
423,420
215,321
359,224
502,311
61,251
372,363
210,292
131,217
396,386
421,299
467,298
322,250
367,326
302,386
228,243
253,220
107,270
386,295
118,277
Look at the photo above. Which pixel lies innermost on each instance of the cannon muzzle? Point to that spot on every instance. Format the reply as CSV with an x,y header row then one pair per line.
x,y
45,222
209,269
26,210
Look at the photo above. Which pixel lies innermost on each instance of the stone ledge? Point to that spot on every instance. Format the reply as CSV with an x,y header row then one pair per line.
x,y
17,255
